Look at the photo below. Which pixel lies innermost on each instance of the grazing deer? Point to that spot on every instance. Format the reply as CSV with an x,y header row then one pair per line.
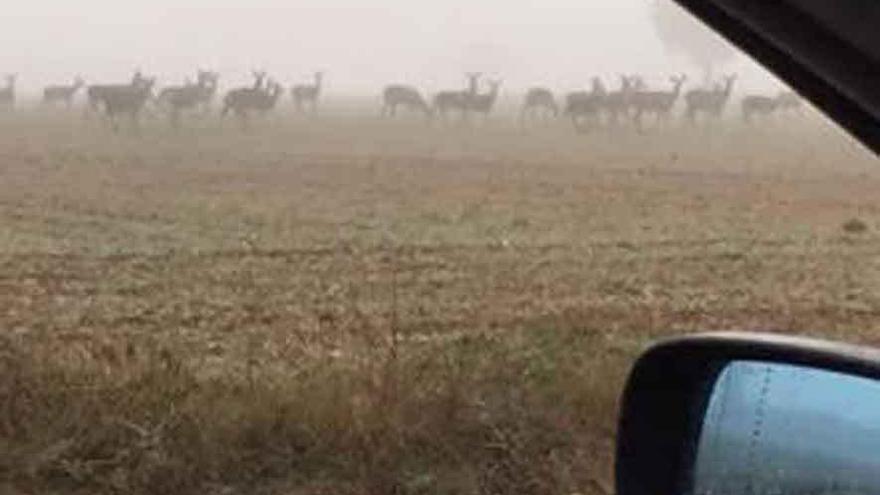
x,y
758,106
458,100
708,101
618,103
789,101
7,93
177,99
308,94
244,102
122,99
657,103
407,97
538,101
584,107
62,94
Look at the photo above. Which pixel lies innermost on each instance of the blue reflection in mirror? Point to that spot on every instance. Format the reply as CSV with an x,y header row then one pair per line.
x,y
777,429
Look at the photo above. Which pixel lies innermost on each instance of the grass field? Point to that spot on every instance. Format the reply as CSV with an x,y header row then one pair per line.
x,y
344,305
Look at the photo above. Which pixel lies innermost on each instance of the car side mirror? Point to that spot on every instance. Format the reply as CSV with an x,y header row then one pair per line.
x,y
746,414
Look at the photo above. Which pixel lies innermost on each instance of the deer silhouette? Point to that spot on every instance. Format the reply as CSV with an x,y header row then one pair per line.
x,y
584,108
710,102
538,102
122,99
7,93
657,103
460,101
246,101
485,102
408,97
198,96
62,94
307,95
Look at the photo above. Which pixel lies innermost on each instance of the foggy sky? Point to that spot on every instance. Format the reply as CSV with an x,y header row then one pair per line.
x,y
360,44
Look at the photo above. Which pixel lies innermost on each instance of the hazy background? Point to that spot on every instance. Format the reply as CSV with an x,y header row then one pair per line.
x,y
361,45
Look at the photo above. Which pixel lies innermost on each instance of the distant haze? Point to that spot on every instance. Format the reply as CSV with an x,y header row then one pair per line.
x,y
361,45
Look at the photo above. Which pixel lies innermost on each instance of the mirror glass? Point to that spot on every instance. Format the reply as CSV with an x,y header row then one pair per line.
x,y
778,429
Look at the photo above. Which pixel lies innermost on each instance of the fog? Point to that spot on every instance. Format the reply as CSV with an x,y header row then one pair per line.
x,y
360,45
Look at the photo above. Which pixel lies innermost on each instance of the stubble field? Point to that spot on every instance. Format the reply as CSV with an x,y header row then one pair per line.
x,y
344,305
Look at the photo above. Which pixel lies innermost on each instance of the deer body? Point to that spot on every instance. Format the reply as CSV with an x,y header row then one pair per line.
x,y
538,100
710,102
758,106
244,102
7,93
618,103
408,97
657,103
178,99
484,103
584,107
460,101
122,99
308,95
62,94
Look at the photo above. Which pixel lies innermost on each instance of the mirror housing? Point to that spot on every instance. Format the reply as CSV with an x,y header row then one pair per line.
x,y
668,392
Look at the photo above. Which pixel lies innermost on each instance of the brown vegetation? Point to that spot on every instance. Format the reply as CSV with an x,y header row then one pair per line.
x,y
348,306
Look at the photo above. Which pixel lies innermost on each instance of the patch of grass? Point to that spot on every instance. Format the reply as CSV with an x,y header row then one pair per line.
x,y
346,306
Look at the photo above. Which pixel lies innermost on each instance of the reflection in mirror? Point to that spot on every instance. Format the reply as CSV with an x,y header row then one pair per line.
x,y
776,429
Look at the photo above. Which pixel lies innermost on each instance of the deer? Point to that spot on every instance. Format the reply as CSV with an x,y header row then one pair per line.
x,y
177,99
308,94
62,94
759,106
95,93
458,100
789,101
618,103
584,107
538,101
123,99
483,103
708,101
245,101
396,95
7,93
658,103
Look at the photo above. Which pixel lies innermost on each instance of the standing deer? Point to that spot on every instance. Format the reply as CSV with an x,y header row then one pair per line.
x,y
618,103
308,94
95,93
538,101
657,103
7,93
62,94
244,102
584,107
408,97
708,101
177,99
483,103
458,100
123,99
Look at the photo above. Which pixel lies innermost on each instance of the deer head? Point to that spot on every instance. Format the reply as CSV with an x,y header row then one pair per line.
x,y
259,78
79,82
473,81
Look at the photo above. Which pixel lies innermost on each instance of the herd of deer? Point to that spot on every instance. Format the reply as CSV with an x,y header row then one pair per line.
x,y
631,103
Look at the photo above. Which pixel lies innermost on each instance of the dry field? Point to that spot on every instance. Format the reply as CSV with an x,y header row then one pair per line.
x,y
352,306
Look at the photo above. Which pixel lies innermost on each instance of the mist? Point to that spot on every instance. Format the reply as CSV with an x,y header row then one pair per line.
x,y
360,45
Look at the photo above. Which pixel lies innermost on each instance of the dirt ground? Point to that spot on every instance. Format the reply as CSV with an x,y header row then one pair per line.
x,y
349,305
